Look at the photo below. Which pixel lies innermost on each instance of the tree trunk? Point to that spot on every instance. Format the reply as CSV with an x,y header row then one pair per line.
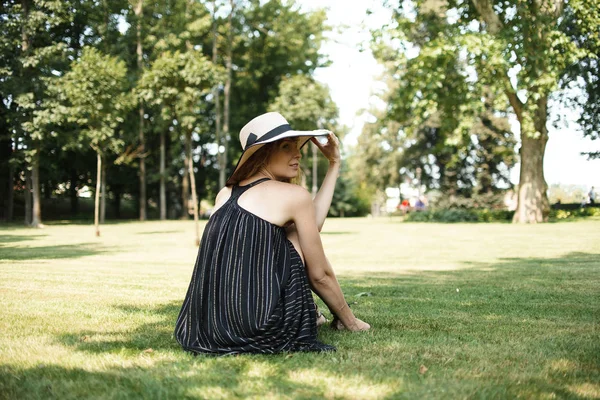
x,y
194,198
117,203
314,170
6,168
103,194
227,90
10,197
533,205
73,193
140,66
304,168
29,219
27,195
97,199
185,184
36,220
142,167
163,191
217,99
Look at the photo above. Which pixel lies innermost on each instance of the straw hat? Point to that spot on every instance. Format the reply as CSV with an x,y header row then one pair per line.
x,y
267,128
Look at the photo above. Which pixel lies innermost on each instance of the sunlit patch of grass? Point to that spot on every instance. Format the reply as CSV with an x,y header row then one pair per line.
x,y
335,386
586,390
458,311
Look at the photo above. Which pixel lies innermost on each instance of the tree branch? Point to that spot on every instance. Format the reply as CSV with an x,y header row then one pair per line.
x,y
559,6
515,103
485,8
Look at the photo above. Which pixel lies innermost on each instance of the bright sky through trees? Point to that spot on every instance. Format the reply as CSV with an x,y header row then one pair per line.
x,y
353,75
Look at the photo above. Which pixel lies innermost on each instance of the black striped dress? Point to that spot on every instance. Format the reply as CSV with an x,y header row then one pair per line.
x,y
249,292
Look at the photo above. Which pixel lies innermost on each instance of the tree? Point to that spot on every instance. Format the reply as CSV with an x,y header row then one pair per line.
x,y
517,50
94,95
351,198
227,95
39,47
177,82
307,105
436,130
272,40
267,40
9,64
580,24
139,10
221,155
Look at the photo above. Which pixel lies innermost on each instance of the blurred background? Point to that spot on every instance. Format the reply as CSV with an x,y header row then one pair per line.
x,y
447,110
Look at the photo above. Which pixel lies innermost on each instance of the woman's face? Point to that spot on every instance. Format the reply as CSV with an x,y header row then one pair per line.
x,y
284,162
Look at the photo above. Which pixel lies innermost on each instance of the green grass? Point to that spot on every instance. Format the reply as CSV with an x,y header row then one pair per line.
x,y
490,310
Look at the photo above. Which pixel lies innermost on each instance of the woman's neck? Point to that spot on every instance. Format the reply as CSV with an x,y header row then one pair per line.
x,y
259,175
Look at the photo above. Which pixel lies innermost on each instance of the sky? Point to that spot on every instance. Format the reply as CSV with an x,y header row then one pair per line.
x,y
353,78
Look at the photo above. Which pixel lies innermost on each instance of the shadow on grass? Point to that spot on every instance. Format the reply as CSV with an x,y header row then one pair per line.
x,y
18,238
53,252
189,378
157,335
521,327
90,222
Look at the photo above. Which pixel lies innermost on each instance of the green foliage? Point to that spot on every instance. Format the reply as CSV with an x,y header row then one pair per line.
x,y
47,100
581,25
272,40
492,200
574,214
305,103
32,46
453,215
94,96
464,65
443,126
176,83
350,198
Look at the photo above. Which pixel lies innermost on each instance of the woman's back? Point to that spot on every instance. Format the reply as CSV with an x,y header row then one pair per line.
x,y
249,291
268,201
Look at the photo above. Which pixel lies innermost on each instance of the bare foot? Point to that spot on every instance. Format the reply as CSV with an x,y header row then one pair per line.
x,y
337,325
321,319
359,326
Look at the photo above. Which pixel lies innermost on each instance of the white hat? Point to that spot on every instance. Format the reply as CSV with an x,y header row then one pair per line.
x,y
267,128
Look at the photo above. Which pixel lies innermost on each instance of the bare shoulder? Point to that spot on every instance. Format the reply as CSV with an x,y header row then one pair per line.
x,y
276,202
223,195
287,193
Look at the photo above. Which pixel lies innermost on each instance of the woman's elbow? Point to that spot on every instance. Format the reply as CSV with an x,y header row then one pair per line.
x,y
318,279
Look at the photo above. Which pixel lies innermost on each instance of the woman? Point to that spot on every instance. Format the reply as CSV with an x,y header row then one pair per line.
x,y
250,291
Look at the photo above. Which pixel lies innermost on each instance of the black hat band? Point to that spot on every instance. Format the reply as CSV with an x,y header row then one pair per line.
x,y
252,138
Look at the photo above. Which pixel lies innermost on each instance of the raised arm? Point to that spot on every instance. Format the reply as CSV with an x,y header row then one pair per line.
x,y
322,201
320,274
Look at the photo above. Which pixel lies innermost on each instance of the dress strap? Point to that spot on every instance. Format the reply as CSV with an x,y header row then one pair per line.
x,y
237,190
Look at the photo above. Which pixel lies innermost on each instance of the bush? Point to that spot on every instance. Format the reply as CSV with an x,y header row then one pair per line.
x,y
574,213
494,201
451,215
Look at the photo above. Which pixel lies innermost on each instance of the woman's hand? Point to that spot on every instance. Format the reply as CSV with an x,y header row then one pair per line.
x,y
331,149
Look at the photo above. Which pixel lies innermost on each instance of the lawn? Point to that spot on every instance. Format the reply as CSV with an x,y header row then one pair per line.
x,y
457,310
